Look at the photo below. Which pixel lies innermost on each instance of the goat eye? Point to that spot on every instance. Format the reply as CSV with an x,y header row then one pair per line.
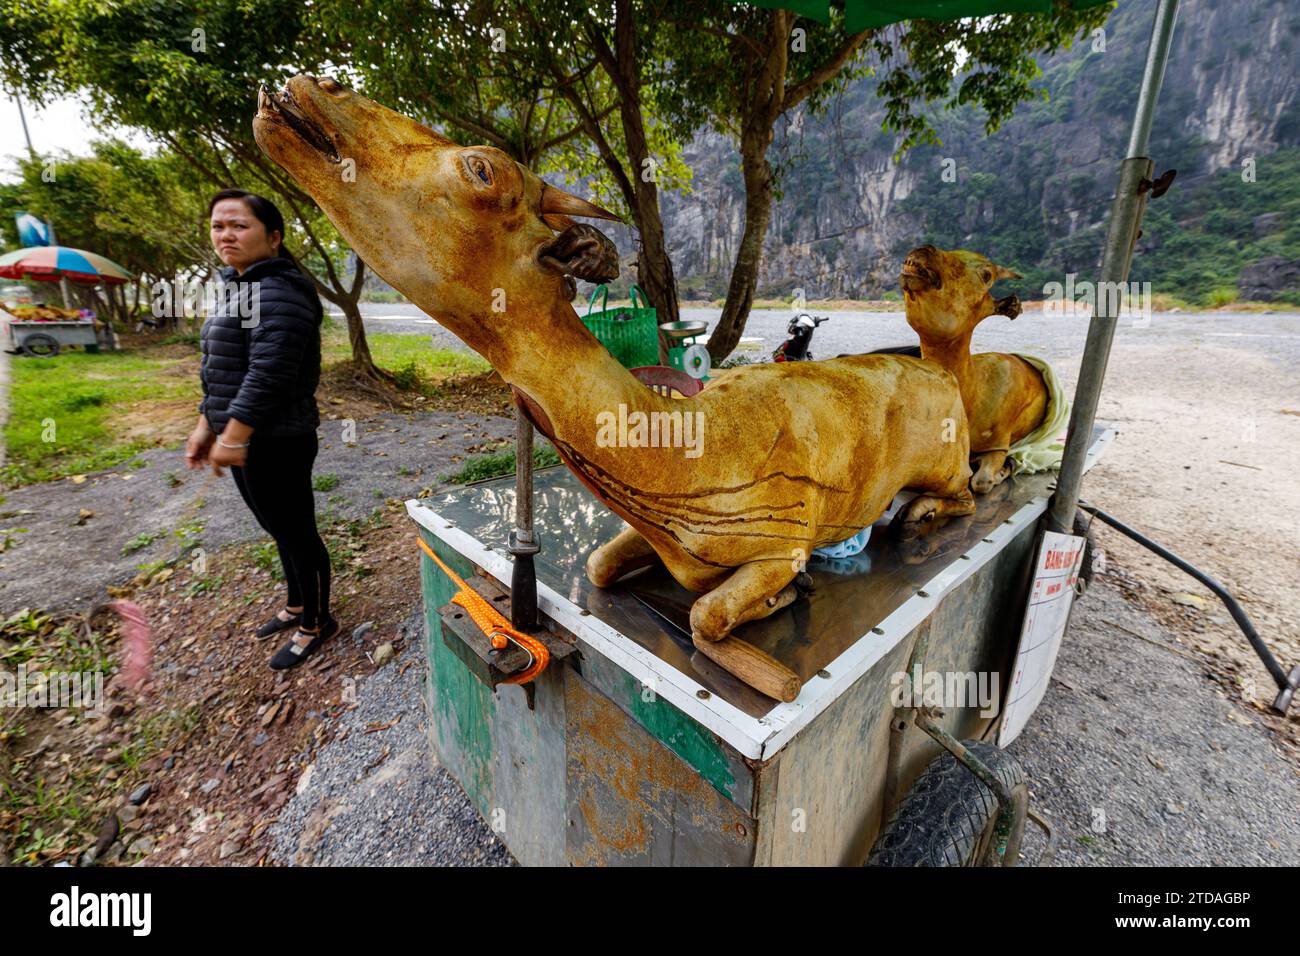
x,y
480,168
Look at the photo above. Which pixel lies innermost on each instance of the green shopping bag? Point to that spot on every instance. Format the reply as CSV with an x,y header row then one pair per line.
x,y
630,333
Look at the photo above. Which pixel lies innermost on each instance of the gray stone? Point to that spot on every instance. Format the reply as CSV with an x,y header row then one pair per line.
x,y
140,794
1266,279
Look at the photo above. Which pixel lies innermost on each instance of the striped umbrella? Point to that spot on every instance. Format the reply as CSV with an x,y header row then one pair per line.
x,y
52,263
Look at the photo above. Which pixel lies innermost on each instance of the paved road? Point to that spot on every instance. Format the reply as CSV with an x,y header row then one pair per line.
x,y
1058,339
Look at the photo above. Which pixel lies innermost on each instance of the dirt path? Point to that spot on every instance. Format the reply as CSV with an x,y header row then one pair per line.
x,y
1206,463
65,560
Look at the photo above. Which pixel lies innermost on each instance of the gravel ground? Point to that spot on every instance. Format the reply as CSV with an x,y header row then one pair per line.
x,y
1140,758
1137,753
395,455
378,799
1198,784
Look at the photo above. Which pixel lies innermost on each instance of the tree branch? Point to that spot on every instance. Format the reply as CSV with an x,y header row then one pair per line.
x,y
794,95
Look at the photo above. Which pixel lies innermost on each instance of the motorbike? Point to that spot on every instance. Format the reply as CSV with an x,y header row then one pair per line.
x,y
799,337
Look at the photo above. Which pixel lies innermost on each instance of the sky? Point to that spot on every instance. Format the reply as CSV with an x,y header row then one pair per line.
x,y
58,127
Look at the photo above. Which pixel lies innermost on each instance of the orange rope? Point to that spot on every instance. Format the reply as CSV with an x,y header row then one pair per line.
x,y
491,622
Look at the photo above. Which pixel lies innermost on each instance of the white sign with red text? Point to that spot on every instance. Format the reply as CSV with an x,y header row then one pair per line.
x,y
1055,574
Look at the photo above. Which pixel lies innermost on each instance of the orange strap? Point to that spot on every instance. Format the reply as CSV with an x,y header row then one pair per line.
x,y
491,622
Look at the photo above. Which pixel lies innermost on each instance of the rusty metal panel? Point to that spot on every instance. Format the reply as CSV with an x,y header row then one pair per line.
x,y
632,801
526,801
509,759
821,798
710,757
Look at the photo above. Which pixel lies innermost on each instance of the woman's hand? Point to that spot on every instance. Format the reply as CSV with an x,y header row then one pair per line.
x,y
198,445
231,449
223,457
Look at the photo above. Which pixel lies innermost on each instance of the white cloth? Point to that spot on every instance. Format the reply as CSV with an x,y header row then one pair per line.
x,y
1042,449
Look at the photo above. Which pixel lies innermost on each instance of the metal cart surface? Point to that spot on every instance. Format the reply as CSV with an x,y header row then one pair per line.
x,y
632,748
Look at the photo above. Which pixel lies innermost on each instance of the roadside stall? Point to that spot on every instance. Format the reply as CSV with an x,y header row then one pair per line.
x,y
624,744
43,330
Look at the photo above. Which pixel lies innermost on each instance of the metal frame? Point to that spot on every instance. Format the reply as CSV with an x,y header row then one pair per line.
x,y
758,738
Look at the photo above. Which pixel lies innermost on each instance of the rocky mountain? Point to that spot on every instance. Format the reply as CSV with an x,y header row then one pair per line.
x,y
1034,195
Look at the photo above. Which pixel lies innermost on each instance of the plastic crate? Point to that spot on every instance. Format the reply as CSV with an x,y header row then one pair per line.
x,y
630,333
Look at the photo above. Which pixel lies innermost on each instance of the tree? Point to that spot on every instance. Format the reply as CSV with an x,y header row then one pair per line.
x,y
602,59
142,212
448,66
750,69
758,65
187,74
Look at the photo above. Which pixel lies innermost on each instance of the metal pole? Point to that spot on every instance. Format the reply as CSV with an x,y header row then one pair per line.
x,y
1286,683
23,117
1125,219
523,543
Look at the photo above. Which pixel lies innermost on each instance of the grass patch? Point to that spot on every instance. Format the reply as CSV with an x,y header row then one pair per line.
x,y
140,542
266,556
326,482
415,363
499,464
66,411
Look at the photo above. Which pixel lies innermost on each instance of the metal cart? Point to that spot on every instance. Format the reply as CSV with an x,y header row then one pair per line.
x,y
46,339
633,748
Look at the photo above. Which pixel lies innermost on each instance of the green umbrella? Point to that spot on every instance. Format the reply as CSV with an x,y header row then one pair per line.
x,y
869,14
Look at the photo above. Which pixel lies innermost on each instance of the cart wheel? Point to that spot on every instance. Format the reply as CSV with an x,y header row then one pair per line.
x,y
949,818
40,345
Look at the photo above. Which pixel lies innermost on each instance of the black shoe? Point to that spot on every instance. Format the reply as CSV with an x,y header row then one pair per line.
x,y
293,653
276,625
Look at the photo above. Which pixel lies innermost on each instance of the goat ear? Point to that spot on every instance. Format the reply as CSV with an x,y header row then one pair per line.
x,y
1002,273
1008,305
582,251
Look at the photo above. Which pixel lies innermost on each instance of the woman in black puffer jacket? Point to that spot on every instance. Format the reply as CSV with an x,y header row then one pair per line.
x,y
258,417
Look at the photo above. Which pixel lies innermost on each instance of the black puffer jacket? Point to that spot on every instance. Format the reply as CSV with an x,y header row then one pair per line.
x,y
264,375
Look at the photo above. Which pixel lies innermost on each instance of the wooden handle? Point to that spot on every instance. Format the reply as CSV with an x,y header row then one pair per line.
x,y
759,670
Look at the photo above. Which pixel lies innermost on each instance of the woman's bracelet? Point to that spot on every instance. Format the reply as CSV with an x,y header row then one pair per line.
x,y
226,444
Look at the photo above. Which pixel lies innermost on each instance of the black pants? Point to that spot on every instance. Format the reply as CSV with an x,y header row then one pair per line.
x,y
276,485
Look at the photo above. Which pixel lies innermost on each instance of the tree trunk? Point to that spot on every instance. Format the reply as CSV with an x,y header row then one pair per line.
x,y
347,300
654,268
749,257
361,357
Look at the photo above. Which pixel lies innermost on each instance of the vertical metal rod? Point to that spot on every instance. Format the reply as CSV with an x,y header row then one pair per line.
x,y
23,117
1125,219
523,477
523,543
